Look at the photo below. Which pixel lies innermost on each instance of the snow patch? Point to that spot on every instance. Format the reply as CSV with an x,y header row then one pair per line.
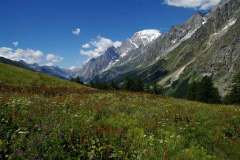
x,y
112,63
145,37
174,41
123,54
204,20
150,34
134,44
206,74
141,38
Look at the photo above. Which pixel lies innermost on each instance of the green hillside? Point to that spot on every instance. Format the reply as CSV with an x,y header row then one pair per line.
x,y
109,125
15,76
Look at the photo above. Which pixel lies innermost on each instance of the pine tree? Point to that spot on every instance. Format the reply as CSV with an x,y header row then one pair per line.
x,y
114,85
206,91
77,80
157,89
138,85
234,96
133,84
203,91
128,82
192,91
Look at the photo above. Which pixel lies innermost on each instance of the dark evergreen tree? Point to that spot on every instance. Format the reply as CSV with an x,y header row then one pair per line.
x,y
135,84
192,91
128,83
77,80
180,88
157,89
114,85
206,91
203,91
234,95
139,86
101,85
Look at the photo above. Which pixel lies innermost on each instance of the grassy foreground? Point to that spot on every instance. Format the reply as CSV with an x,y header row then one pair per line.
x,y
69,124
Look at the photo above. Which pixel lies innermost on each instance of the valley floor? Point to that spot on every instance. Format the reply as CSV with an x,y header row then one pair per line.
x,y
70,124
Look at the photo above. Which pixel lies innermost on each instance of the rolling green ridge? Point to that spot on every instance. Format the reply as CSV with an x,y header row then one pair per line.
x,y
108,124
16,76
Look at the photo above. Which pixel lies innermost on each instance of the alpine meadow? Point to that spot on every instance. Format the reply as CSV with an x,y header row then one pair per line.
x,y
171,93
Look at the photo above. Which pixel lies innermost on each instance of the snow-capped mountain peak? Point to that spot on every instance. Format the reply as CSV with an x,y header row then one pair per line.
x,y
146,36
113,55
141,38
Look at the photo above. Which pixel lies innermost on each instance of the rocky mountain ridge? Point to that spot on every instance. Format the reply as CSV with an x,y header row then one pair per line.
x,y
206,45
150,54
112,55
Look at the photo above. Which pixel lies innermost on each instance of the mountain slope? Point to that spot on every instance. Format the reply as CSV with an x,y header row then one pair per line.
x,y
143,57
213,50
112,56
204,45
96,65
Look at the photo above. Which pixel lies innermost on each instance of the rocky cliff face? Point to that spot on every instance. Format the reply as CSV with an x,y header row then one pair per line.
x,y
96,65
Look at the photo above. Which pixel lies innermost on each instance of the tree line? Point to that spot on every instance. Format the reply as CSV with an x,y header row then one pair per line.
x,y
202,90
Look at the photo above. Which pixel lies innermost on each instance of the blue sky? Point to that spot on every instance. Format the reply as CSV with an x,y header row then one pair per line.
x,y
47,29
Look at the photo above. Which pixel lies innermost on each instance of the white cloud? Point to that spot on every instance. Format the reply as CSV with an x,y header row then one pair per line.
x,y
117,44
53,59
15,44
30,56
72,68
200,4
98,46
76,31
86,46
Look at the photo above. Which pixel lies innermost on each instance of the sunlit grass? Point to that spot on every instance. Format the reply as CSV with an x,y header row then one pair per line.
x,y
117,126
21,77
42,117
